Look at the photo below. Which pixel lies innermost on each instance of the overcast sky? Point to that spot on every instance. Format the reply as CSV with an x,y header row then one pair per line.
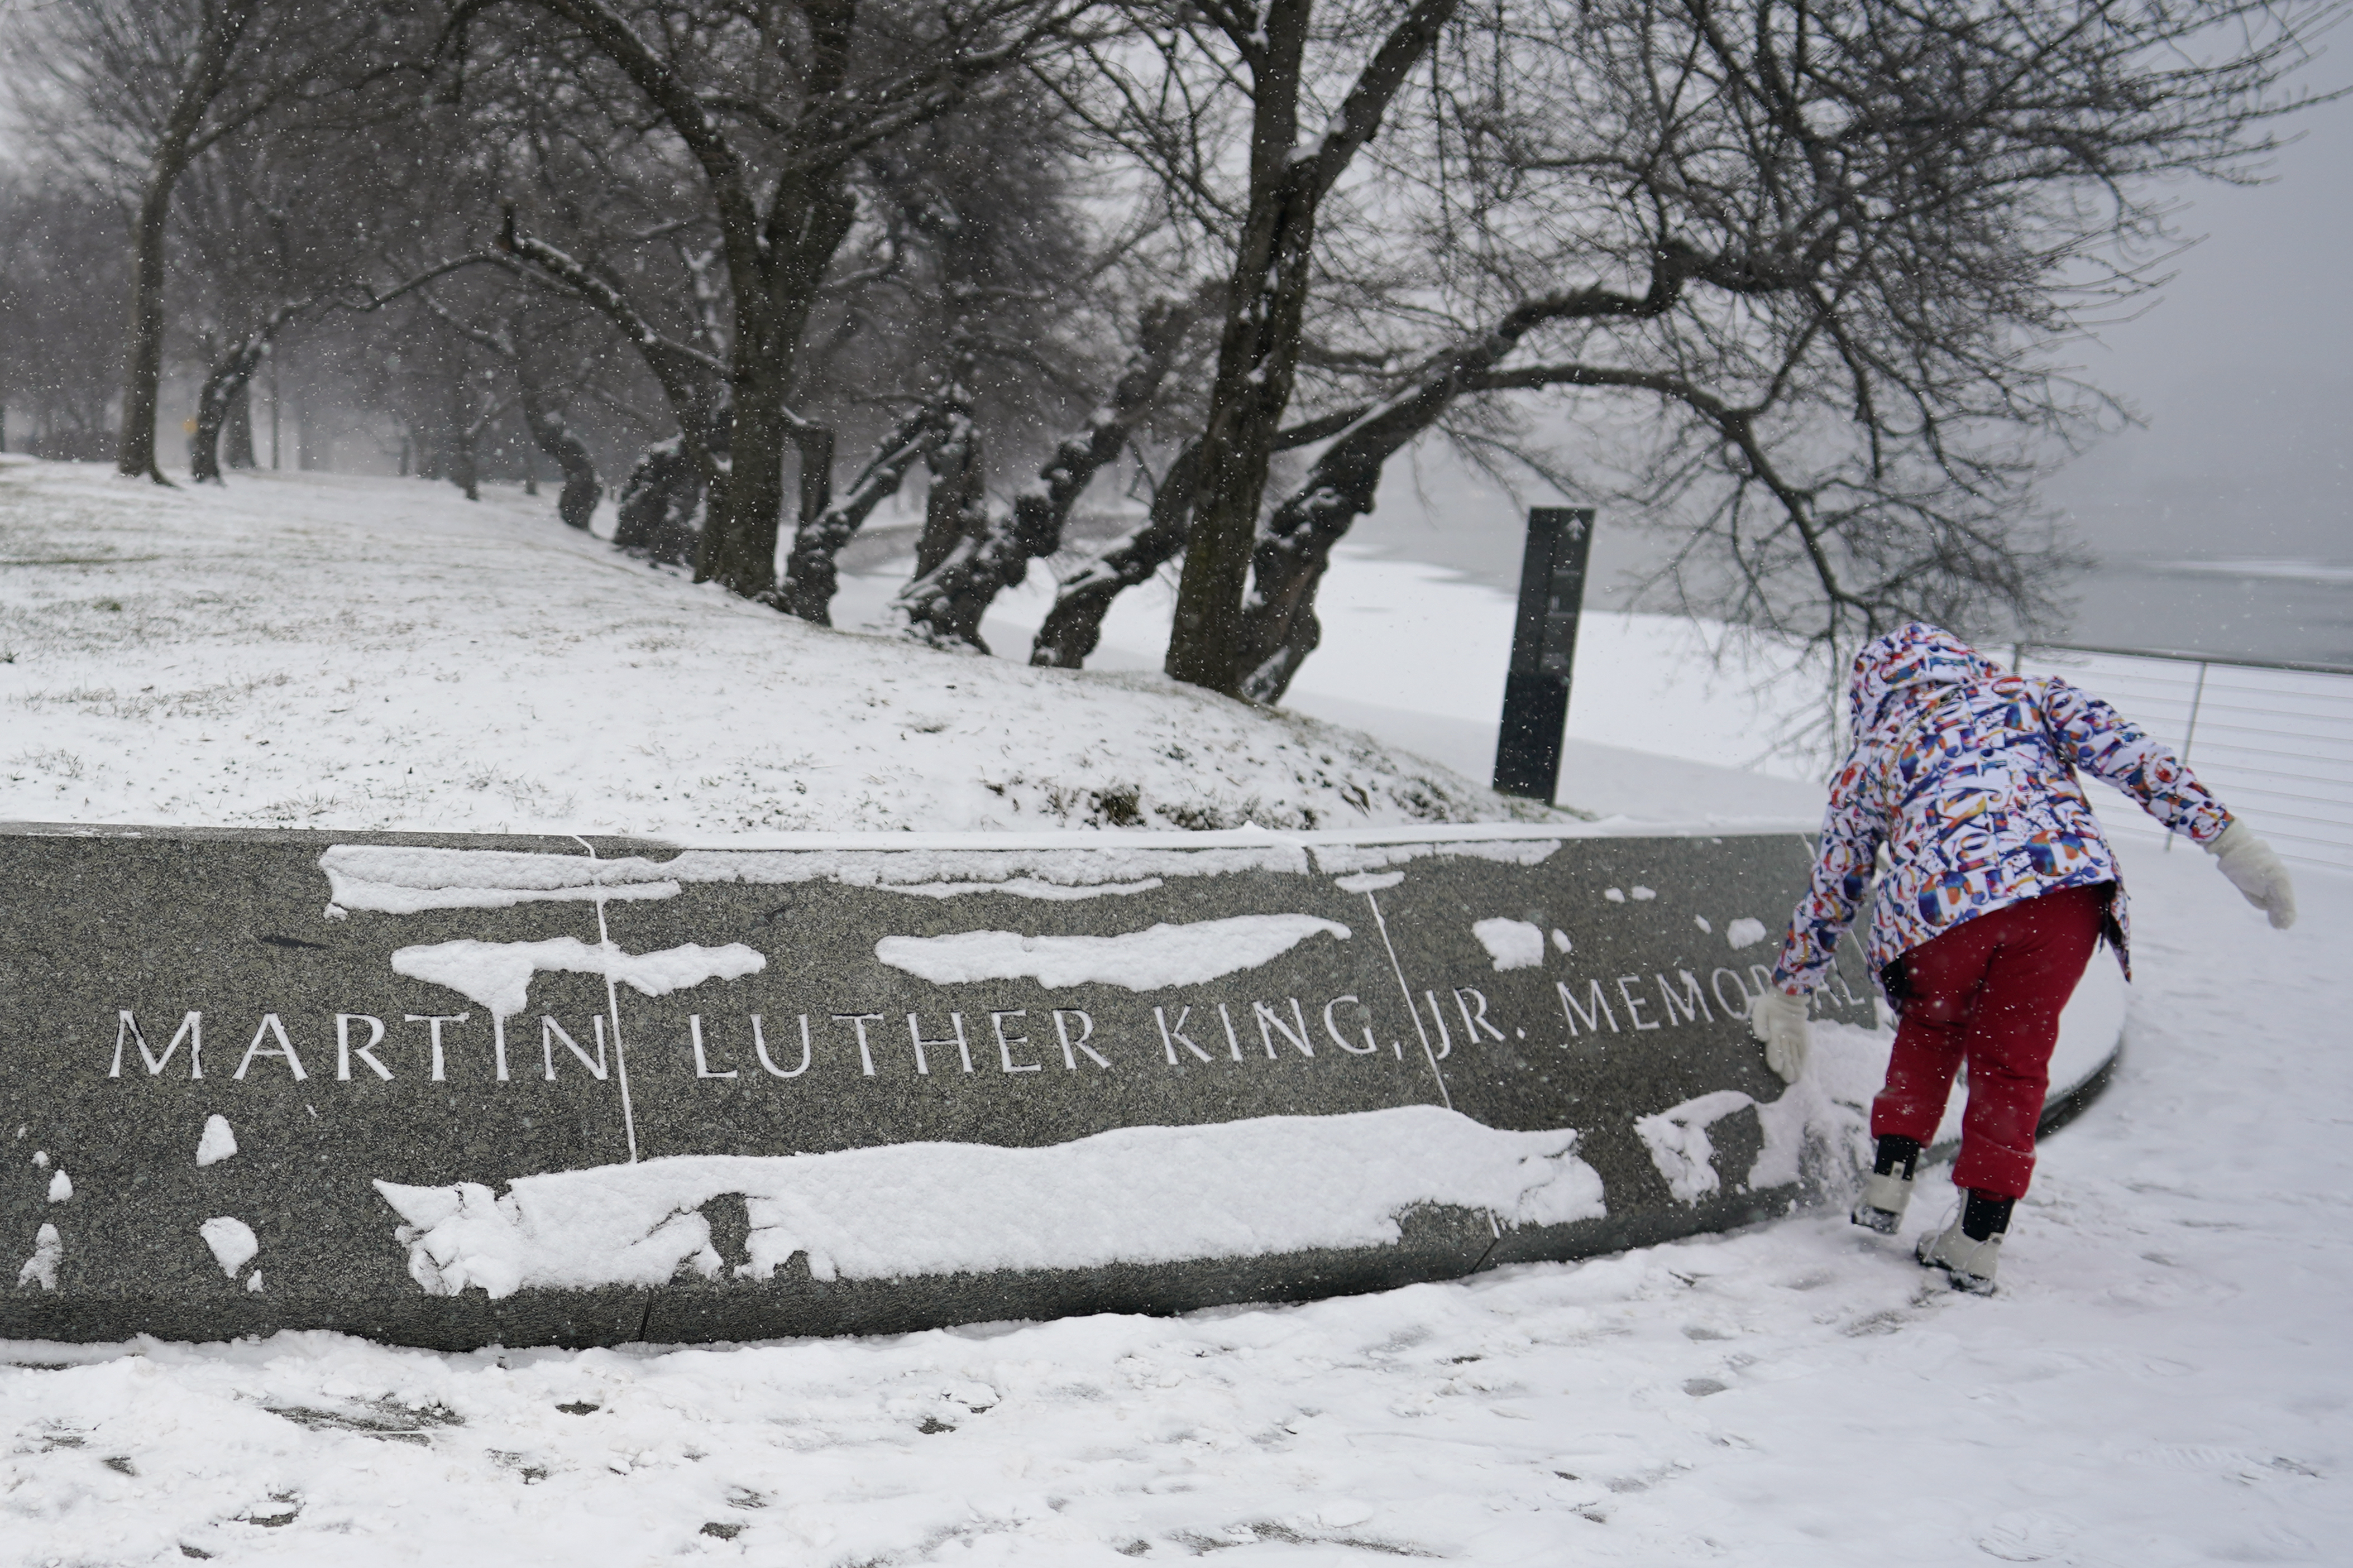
x,y
2242,373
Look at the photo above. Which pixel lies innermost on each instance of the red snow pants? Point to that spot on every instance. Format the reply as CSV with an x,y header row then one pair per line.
x,y
1989,991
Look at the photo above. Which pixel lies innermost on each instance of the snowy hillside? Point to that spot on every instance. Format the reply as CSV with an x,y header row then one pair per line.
x,y
307,650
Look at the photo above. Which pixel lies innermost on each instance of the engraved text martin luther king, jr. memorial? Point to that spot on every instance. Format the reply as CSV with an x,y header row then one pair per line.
x,y
455,1092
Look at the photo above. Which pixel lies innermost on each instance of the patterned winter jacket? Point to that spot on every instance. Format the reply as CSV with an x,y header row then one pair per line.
x,y
1967,774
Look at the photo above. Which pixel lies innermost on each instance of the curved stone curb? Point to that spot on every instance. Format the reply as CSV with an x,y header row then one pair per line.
x,y
2058,1112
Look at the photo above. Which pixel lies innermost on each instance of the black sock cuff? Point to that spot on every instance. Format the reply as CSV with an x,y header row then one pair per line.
x,y
1895,1149
1985,1216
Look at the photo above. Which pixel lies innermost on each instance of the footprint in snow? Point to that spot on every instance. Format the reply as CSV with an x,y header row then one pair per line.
x,y
2028,1536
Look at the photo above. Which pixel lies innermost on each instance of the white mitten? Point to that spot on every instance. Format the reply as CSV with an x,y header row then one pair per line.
x,y
2256,872
1778,1019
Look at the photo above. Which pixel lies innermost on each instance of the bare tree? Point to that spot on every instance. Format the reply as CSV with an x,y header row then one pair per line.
x,y
252,263
772,110
1066,637
1278,53
544,415
137,90
810,577
512,343
990,552
61,266
1899,219
1835,251
955,322
672,480
221,400
978,227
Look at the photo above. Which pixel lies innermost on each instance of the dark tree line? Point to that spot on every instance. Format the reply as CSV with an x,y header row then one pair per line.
x,y
1791,283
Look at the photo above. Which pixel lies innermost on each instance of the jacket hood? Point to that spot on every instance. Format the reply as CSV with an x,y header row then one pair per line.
x,y
1906,659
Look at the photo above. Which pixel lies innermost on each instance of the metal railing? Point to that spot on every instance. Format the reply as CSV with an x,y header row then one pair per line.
x,y
2273,738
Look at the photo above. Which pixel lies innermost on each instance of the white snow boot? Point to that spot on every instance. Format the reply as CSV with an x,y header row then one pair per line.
x,y
1888,1189
1969,1249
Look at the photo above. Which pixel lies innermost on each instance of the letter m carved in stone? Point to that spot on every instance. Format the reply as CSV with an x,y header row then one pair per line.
x,y
191,1029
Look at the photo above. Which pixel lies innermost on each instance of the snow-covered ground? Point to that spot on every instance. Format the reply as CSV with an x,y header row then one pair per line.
x,y
2162,1380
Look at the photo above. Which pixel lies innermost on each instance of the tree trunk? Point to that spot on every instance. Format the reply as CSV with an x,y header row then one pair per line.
x,y
744,511
1071,629
661,512
944,604
212,414
776,275
956,497
223,398
1258,361
237,435
1074,625
577,505
142,371
1258,356
810,577
659,501
955,513
814,446
1278,626
463,470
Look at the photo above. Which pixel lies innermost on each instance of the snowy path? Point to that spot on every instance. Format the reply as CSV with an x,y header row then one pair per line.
x,y
2164,1381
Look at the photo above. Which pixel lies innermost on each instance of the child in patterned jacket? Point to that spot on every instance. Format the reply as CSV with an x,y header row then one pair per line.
x,y
1998,887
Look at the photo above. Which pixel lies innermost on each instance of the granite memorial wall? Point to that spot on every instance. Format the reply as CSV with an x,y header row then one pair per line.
x,y
453,1091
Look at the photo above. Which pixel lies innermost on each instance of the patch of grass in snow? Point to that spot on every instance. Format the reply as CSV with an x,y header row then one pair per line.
x,y
531,1474
214,701
528,795
50,760
1201,1543
308,807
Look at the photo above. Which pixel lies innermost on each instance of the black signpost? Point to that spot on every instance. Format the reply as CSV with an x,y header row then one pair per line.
x,y
1544,646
